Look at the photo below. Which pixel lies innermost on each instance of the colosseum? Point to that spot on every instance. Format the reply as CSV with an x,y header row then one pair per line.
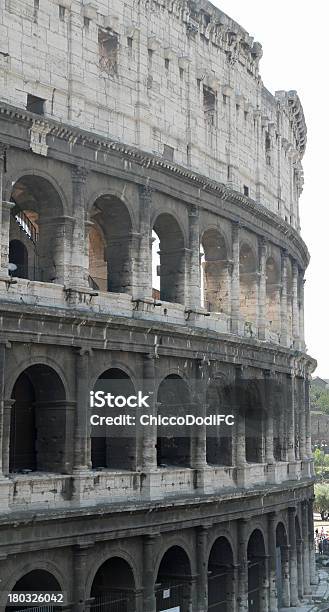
x,y
150,234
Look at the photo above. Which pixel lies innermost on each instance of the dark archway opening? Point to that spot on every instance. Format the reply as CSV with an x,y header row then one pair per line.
x,y
34,582
110,448
173,588
254,424
113,588
219,438
282,567
220,577
173,444
36,222
110,246
171,269
256,572
40,424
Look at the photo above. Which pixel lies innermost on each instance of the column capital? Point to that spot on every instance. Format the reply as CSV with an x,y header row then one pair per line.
x,y
194,211
3,149
79,174
292,510
146,191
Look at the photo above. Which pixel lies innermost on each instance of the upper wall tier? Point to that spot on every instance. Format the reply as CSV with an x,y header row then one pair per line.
x,y
177,78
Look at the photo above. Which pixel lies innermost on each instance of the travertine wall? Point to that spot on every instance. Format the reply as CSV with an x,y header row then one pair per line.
x,y
178,79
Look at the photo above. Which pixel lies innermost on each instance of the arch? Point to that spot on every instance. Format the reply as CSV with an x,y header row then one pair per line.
x,y
41,423
111,245
118,450
256,571
248,283
114,586
215,272
221,595
173,580
37,360
173,444
219,439
34,221
171,269
273,293
34,581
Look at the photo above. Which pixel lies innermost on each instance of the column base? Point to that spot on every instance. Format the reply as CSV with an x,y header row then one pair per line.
x,y
5,485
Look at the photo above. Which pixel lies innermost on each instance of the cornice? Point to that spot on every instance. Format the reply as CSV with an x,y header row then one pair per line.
x,y
77,137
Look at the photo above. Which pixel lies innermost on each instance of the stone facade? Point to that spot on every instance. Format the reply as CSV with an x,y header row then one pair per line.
x,y
156,150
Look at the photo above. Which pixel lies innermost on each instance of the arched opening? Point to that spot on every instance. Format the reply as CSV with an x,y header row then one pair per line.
x,y
34,582
18,255
221,595
173,443
113,588
110,246
173,590
219,439
215,273
36,223
273,289
248,286
254,424
97,259
41,423
114,447
256,572
282,567
171,270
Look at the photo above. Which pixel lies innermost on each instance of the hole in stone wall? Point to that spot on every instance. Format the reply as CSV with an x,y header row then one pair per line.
x,y
209,105
36,105
61,12
108,44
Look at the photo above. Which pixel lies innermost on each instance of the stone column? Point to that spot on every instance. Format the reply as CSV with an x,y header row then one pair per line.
x,y
296,391
306,551
81,556
285,576
273,597
199,440
295,318
5,230
290,398
82,449
202,568
284,298
78,272
149,547
143,286
302,420
300,569
149,455
262,322
8,404
308,418
301,311
294,601
235,283
3,432
194,289
313,575
240,423
269,456
242,599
